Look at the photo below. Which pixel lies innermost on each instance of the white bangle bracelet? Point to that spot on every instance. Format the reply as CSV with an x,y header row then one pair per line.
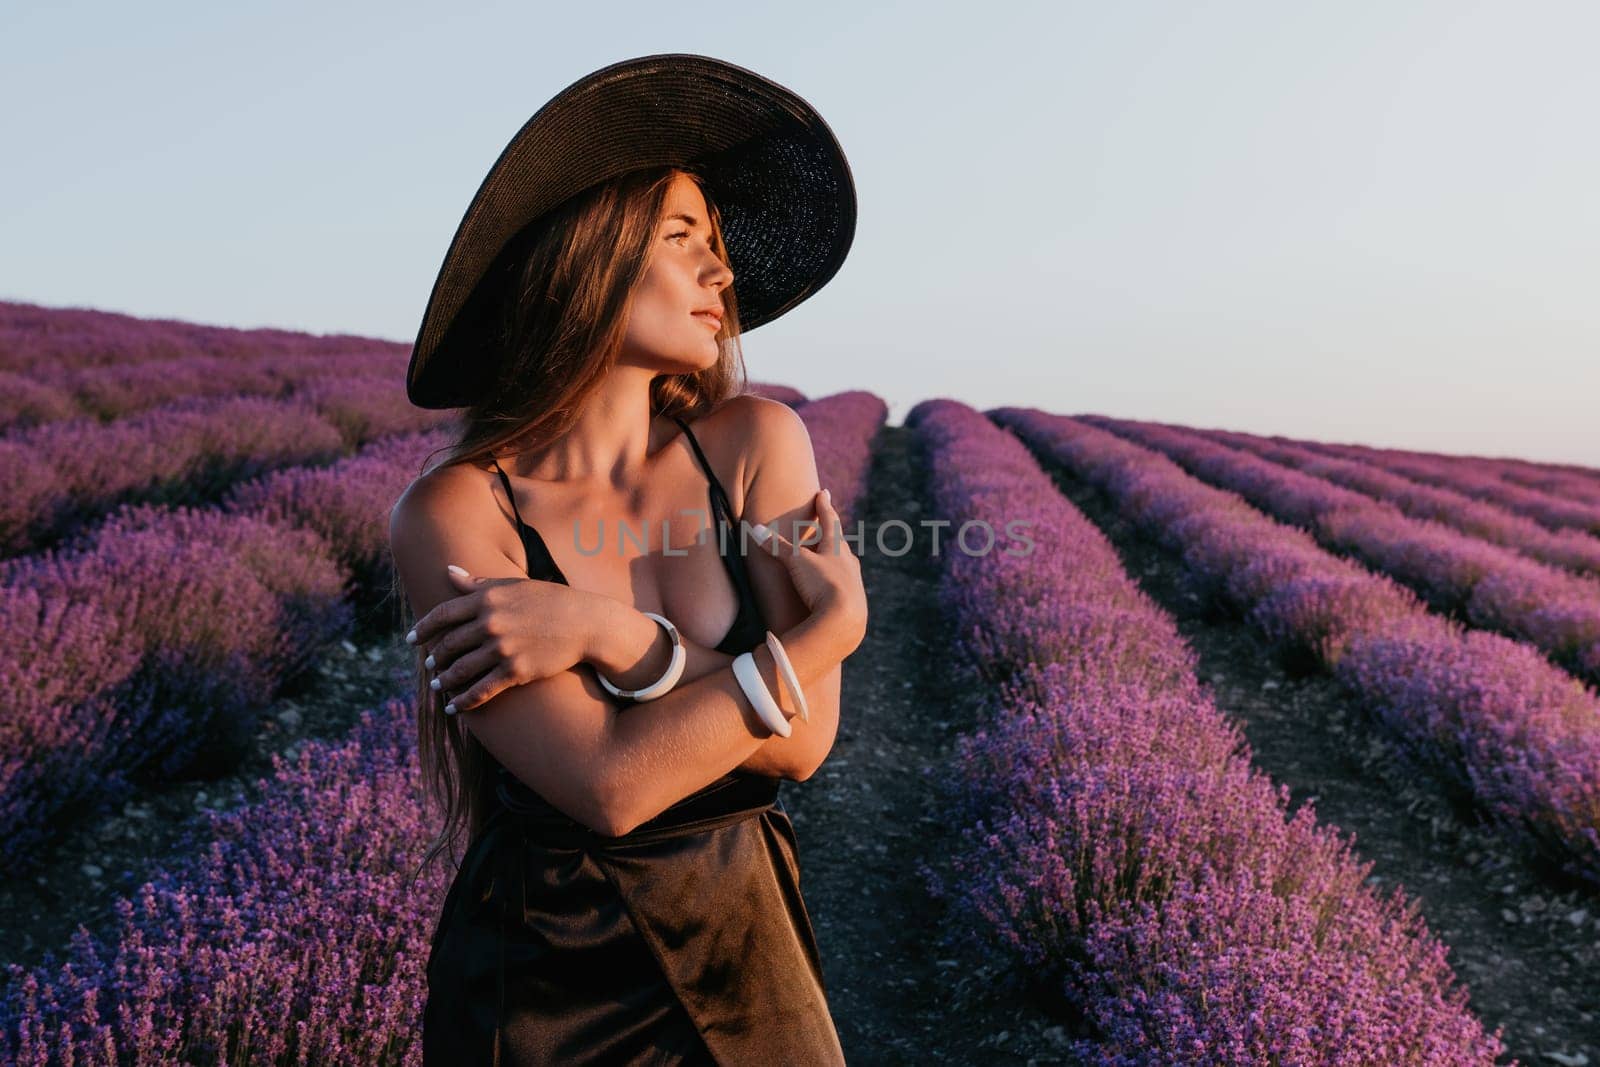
x,y
755,688
786,674
669,678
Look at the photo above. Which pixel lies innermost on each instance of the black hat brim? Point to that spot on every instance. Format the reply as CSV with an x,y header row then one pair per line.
x,y
775,170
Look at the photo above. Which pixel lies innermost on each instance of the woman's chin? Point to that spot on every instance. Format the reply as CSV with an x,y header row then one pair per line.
x,y
705,361
689,360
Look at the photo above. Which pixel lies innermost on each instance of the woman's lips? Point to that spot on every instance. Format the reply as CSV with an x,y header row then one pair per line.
x,y
706,317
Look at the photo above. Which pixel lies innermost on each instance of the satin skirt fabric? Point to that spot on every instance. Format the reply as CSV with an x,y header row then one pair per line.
x,y
683,942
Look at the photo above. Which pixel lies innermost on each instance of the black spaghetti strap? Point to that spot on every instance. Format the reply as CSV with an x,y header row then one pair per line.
x,y
748,626
721,494
540,562
505,481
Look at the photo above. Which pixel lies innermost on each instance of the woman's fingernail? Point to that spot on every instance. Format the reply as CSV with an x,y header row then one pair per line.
x,y
457,571
434,685
761,533
428,663
411,638
449,709
827,494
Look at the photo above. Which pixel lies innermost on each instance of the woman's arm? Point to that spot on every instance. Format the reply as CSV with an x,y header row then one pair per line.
x,y
661,751
780,490
563,734
781,484
633,650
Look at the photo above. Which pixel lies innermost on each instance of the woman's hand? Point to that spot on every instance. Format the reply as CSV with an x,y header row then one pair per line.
x,y
501,633
825,573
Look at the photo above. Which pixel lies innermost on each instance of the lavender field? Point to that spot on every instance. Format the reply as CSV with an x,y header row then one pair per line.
x,y
1167,745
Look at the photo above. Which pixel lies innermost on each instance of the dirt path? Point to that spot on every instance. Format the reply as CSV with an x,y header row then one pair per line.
x,y
1529,955
864,820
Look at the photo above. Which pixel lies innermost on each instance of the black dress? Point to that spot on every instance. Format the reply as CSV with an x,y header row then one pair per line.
x,y
684,941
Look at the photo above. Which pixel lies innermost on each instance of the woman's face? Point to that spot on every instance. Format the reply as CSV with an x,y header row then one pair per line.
x,y
682,278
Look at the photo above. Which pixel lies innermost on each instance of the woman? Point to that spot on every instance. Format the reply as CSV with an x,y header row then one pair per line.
x,y
612,745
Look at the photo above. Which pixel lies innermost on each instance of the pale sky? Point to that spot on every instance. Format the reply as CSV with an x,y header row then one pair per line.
x,y
1357,221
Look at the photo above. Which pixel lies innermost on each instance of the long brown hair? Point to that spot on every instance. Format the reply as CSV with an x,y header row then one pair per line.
x,y
563,286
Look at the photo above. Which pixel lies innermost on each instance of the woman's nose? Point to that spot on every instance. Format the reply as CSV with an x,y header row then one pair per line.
x,y
719,268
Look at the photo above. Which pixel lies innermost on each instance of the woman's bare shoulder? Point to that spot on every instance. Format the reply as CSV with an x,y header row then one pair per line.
x,y
747,422
444,483
456,493
749,430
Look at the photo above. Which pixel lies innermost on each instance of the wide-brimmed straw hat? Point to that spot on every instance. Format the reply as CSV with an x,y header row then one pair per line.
x,y
772,166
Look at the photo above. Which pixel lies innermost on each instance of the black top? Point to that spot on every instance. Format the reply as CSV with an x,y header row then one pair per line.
x,y
748,629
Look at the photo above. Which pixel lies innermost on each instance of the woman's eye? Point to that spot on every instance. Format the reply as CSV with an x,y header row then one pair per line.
x,y
684,233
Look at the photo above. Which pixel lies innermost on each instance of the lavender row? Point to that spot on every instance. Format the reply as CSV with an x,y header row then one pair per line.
x,y
1580,482
1505,728
34,340
297,936
108,391
1474,478
1117,842
300,936
1571,549
1554,479
1511,468
1487,585
56,477
169,629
